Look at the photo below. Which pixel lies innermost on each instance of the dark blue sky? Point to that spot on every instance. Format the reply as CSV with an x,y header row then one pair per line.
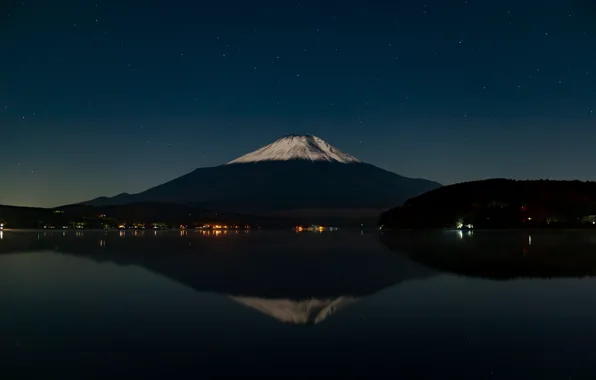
x,y
102,97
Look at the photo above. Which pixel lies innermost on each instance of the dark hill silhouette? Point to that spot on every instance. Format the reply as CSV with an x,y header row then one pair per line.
x,y
498,203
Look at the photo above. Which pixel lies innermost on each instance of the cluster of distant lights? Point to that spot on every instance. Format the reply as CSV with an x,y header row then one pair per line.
x,y
460,225
184,232
315,228
157,227
122,233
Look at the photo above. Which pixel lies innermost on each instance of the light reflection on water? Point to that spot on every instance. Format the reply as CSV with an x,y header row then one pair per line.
x,y
414,304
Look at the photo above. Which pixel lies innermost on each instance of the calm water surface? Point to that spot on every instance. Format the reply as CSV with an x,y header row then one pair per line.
x,y
488,305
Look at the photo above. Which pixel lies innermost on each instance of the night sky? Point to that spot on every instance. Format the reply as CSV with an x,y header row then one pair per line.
x,y
102,97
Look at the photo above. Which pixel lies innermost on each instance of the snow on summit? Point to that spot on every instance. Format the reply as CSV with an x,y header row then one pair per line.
x,y
297,147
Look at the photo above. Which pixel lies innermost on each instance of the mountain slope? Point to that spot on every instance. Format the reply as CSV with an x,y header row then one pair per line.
x,y
296,172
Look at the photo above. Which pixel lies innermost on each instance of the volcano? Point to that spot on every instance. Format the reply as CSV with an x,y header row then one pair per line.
x,y
296,175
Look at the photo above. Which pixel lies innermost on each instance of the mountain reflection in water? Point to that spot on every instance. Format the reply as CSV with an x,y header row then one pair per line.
x,y
417,305
288,278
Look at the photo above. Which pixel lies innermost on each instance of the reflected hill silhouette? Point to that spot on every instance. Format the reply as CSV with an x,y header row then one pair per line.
x,y
298,279
500,255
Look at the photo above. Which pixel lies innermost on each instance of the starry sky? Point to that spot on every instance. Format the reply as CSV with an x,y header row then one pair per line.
x,y
103,97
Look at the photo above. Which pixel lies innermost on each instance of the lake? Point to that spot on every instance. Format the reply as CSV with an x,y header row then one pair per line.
x,y
187,304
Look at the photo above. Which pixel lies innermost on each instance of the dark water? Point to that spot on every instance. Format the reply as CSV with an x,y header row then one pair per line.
x,y
489,305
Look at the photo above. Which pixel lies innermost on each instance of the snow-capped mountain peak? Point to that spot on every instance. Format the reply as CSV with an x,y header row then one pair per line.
x,y
297,147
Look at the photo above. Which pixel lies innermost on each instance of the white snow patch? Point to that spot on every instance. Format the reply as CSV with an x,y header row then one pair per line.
x,y
297,147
